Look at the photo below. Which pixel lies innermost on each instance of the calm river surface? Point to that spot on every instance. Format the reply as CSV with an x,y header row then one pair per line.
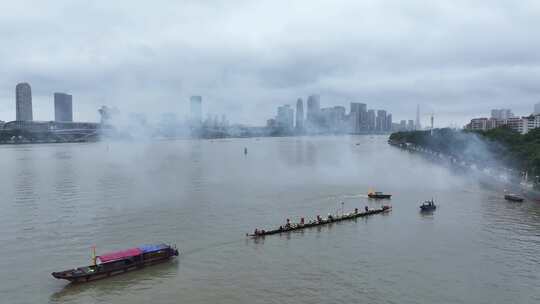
x,y
58,200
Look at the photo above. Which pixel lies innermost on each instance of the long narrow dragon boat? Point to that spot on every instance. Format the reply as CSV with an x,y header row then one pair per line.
x,y
318,222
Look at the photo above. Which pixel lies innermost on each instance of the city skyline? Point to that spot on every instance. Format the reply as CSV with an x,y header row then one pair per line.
x,y
63,110
334,119
188,112
359,120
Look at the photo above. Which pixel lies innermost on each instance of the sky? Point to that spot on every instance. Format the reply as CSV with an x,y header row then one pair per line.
x,y
456,59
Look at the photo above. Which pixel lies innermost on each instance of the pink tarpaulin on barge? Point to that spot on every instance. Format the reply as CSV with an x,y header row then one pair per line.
x,y
119,255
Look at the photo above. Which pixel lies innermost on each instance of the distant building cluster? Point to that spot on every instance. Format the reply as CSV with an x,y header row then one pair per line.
x,y
63,107
321,120
304,118
61,129
505,117
212,126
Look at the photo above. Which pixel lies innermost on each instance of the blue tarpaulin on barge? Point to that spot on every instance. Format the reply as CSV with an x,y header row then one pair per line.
x,y
152,248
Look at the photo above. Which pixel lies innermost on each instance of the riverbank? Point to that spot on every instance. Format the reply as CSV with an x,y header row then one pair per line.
x,y
493,161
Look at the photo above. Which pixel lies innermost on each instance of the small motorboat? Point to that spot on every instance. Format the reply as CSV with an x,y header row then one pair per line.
x,y
513,197
428,206
379,195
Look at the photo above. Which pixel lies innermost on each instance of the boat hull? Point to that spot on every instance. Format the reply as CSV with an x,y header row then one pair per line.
x,y
380,196
513,198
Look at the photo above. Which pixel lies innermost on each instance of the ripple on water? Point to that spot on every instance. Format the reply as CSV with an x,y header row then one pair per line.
x,y
204,196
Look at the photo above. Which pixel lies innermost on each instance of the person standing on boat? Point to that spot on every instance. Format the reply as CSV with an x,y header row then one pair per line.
x,y
366,208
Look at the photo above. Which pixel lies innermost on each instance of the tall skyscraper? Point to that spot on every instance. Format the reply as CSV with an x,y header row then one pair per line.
x,y
285,117
313,110
299,114
381,120
354,117
371,120
339,119
355,107
63,107
23,101
417,126
358,116
537,108
196,111
363,117
388,126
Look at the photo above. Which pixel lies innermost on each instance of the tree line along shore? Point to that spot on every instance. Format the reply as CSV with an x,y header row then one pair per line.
x,y
496,147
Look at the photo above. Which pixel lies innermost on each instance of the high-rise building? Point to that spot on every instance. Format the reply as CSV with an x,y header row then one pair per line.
x,y
63,107
354,117
358,117
196,111
417,125
388,122
299,114
410,125
371,120
537,108
381,121
333,119
403,125
23,101
340,121
328,118
501,114
313,111
285,117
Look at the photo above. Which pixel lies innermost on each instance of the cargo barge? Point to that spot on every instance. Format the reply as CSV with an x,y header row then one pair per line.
x,y
119,262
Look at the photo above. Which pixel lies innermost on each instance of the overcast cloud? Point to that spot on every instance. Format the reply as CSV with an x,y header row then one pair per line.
x,y
457,59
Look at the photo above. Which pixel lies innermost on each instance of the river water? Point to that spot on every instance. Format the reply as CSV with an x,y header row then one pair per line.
x,y
60,199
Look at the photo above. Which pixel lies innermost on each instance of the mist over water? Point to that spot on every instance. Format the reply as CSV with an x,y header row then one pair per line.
x,y
204,195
